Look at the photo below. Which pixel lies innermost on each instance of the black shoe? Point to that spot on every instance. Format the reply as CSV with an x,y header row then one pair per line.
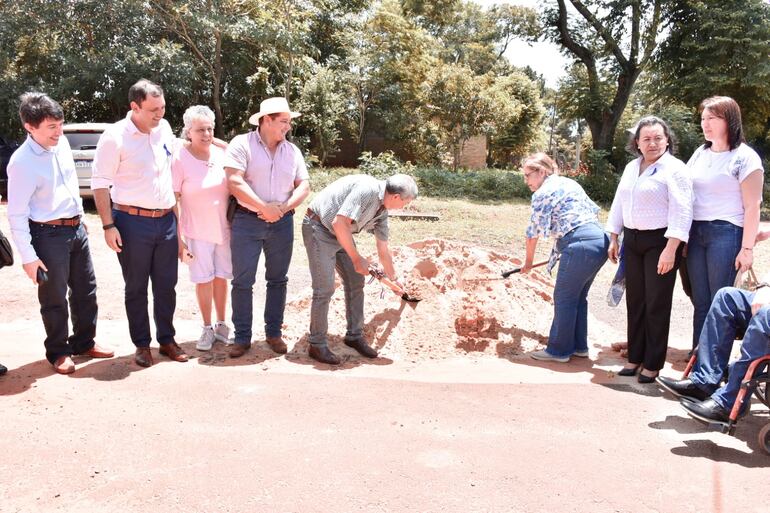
x,y
3,369
683,388
706,411
646,380
362,347
628,371
323,354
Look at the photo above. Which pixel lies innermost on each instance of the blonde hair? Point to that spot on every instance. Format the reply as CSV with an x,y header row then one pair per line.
x,y
541,162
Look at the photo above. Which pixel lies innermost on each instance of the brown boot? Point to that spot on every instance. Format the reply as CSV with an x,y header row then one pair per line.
x,y
143,357
173,351
277,345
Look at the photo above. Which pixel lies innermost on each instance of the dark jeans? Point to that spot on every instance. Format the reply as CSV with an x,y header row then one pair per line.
x,y
149,251
730,313
65,252
648,297
250,237
711,253
583,252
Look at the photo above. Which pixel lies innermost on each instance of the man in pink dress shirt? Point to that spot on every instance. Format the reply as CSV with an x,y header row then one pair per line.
x,y
268,176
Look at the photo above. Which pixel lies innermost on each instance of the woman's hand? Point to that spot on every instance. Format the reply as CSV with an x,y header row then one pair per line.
x,y
526,267
613,251
182,249
666,259
744,260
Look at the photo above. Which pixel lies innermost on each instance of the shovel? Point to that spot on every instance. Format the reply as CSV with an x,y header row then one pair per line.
x,y
518,269
380,276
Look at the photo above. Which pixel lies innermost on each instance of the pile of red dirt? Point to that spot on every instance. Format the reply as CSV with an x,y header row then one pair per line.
x,y
467,308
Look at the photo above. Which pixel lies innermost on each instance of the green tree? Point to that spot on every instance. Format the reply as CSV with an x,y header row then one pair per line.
x,y
614,41
520,124
718,47
322,104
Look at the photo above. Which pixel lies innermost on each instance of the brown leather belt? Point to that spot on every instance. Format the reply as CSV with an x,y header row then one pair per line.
x,y
248,211
312,215
64,221
141,212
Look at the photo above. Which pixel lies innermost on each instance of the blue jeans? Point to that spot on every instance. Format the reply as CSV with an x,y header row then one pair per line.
x,y
324,254
65,252
250,237
730,313
149,251
711,253
583,252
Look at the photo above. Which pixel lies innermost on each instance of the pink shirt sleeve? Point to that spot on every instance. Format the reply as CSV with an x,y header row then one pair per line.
x,y
106,160
177,171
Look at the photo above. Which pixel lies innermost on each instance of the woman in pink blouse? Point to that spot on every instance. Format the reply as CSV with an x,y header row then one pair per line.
x,y
204,235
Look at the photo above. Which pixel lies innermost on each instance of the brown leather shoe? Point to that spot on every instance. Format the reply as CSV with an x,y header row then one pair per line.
x,y
362,346
238,350
173,351
277,345
99,352
323,354
64,365
143,357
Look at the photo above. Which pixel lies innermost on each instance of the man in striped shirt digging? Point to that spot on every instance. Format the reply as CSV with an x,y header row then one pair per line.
x,y
348,206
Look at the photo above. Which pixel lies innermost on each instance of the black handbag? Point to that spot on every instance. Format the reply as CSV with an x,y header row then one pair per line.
x,y
6,253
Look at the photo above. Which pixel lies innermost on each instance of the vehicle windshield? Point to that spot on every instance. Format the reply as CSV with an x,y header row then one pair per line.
x,y
83,140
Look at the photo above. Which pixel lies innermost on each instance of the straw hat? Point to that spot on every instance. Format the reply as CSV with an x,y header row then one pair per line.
x,y
272,106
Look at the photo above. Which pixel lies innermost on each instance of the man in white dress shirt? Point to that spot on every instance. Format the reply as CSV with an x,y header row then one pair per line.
x,y
45,213
132,166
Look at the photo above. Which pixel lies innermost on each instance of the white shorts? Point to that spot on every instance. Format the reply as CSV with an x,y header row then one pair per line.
x,y
210,260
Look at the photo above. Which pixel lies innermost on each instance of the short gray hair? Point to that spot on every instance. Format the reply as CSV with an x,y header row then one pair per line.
x,y
403,185
193,113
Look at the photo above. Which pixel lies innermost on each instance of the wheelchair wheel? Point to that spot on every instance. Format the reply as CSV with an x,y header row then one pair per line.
x,y
764,438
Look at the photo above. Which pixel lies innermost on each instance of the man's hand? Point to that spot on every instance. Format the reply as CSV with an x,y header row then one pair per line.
x,y
113,240
526,267
271,213
182,248
31,269
361,265
761,298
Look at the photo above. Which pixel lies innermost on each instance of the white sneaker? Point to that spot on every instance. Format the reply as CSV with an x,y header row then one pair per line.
x,y
548,357
222,332
206,339
581,354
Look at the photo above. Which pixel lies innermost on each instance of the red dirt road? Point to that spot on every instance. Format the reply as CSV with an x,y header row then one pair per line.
x,y
483,431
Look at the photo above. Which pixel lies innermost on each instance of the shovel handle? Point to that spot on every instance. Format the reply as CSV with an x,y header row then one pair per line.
x,y
518,269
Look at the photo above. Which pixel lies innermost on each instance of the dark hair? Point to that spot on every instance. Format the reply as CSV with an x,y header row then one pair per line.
x,y
142,89
726,108
633,140
36,107
272,116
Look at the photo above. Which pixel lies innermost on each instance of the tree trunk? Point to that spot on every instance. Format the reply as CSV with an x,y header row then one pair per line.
x,y
217,86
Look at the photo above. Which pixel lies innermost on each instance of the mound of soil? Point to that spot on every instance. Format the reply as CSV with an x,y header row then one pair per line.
x,y
467,308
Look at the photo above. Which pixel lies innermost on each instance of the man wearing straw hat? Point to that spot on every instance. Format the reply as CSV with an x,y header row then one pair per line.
x,y
268,177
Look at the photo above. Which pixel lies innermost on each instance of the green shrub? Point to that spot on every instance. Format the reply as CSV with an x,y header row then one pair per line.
x,y
383,165
599,179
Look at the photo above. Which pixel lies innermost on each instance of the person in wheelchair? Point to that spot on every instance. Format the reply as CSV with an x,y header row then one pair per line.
x,y
733,311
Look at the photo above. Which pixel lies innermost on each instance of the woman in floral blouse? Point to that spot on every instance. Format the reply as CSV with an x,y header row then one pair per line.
x,y
562,210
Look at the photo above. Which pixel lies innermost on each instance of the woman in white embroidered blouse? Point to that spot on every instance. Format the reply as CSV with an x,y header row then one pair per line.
x,y
653,209
727,178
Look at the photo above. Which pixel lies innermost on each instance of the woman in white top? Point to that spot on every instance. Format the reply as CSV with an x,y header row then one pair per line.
x,y
727,179
653,209
201,190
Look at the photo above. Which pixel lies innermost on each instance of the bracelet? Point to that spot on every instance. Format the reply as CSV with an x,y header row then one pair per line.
x,y
108,226
761,284
747,249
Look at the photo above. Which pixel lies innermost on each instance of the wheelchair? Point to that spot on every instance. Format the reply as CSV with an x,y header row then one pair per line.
x,y
756,381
